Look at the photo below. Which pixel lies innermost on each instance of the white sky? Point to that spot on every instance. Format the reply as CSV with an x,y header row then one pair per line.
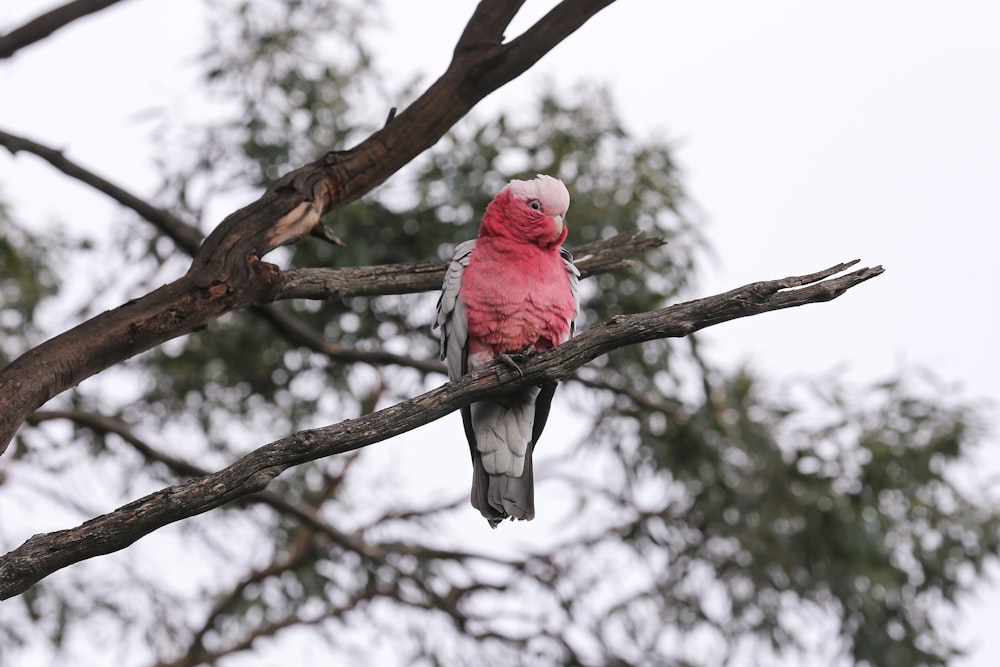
x,y
810,133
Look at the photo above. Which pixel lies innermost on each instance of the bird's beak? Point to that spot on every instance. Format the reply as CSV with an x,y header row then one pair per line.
x,y
559,225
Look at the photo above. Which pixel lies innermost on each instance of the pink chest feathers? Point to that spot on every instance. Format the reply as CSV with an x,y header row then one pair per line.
x,y
515,304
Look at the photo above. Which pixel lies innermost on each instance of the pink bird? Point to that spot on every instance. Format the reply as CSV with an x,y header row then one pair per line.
x,y
511,291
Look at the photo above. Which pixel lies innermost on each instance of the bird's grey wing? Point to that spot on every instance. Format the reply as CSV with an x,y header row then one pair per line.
x,y
451,316
573,274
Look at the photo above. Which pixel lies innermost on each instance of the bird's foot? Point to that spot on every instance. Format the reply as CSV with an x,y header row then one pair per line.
x,y
508,360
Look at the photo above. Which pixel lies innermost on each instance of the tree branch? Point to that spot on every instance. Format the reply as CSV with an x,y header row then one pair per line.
x,y
227,272
344,282
103,424
44,554
302,553
45,24
185,235
297,333
619,387
271,628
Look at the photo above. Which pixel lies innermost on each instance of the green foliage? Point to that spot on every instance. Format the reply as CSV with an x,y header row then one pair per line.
x,y
705,512
849,507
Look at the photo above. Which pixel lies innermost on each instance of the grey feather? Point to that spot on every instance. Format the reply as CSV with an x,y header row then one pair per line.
x,y
574,284
451,312
503,429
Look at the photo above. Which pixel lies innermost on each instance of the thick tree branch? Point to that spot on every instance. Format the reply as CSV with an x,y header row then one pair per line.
x,y
45,24
343,282
337,283
227,272
46,553
291,208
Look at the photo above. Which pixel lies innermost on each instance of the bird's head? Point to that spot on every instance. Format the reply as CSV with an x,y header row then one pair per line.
x,y
529,211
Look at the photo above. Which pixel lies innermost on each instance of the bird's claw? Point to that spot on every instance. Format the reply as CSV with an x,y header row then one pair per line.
x,y
508,360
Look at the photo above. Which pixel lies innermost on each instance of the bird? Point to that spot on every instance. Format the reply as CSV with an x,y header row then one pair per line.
x,y
511,292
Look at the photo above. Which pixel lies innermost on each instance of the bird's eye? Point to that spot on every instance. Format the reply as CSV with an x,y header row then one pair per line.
x,y
535,204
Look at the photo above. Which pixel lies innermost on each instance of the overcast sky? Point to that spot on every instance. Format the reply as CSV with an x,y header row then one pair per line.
x,y
809,134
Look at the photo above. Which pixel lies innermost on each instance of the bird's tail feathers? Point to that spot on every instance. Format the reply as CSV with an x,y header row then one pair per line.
x,y
499,497
502,483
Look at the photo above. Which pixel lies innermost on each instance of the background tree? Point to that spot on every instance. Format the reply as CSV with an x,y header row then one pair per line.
x,y
728,520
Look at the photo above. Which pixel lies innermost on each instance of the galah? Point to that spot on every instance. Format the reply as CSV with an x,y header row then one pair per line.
x,y
512,291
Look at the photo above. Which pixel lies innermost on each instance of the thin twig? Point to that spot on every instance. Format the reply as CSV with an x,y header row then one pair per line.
x,y
185,235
